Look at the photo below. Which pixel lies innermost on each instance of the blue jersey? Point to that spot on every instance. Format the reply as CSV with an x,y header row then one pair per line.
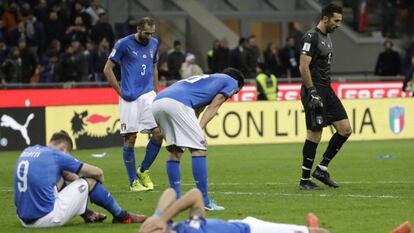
x,y
199,91
37,172
200,225
137,65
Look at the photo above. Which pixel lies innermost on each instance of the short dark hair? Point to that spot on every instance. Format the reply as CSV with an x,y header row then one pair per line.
x,y
145,21
236,74
62,137
330,9
242,40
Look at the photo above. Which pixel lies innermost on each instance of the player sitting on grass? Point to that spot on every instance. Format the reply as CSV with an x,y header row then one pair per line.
x,y
42,170
168,207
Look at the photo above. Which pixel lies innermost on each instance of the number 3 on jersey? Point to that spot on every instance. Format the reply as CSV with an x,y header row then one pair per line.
x,y
21,172
144,67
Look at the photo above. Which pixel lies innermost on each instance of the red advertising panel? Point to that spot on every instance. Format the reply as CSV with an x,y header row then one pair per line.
x,y
92,96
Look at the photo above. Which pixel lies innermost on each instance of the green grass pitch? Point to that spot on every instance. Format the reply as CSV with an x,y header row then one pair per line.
x,y
261,181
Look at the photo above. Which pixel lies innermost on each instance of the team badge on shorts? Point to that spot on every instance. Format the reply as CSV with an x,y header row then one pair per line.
x,y
82,188
123,126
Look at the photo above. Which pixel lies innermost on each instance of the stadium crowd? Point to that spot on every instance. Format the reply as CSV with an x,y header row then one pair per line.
x,y
70,40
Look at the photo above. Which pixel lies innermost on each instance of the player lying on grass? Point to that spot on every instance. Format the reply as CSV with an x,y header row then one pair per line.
x,y
42,170
168,207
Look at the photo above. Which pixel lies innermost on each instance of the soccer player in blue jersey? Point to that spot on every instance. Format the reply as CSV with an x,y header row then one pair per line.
x,y
176,110
40,195
137,55
168,208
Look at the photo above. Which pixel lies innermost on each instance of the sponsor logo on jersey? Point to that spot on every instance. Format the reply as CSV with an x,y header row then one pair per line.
x,y
151,53
396,119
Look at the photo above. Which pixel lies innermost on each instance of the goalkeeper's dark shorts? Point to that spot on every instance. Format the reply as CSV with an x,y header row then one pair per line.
x,y
332,111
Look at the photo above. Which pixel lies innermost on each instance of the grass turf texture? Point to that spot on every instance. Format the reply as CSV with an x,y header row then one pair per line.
x,y
261,181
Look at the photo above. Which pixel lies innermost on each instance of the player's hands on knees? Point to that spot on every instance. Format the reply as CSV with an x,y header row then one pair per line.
x,y
153,224
314,99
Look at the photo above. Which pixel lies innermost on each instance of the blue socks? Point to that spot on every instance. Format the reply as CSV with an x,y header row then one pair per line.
x,y
174,175
200,175
129,160
103,198
150,155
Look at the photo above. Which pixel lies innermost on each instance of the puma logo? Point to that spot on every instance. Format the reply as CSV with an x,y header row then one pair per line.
x,y
8,121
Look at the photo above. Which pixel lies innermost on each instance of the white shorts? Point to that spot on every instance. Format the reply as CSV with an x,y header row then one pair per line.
x,y
70,202
260,226
178,124
136,115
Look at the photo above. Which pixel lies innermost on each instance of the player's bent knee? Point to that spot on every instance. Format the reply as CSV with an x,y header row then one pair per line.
x,y
314,136
346,132
195,152
129,139
91,183
156,135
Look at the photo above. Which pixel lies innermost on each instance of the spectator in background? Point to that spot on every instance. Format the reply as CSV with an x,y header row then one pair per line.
x,y
79,10
35,33
99,56
409,77
175,59
17,34
102,29
163,73
189,67
68,66
272,60
48,67
266,83
389,13
3,33
29,61
238,56
129,27
41,12
11,16
55,29
290,58
389,61
409,51
4,50
80,55
78,31
95,10
252,57
11,68
210,54
221,56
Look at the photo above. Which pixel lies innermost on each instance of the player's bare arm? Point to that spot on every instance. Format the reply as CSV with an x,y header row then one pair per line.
x,y
110,76
90,171
198,111
192,200
305,61
155,222
155,81
69,176
212,109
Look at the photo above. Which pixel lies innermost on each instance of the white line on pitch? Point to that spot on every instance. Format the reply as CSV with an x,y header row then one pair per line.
x,y
308,194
